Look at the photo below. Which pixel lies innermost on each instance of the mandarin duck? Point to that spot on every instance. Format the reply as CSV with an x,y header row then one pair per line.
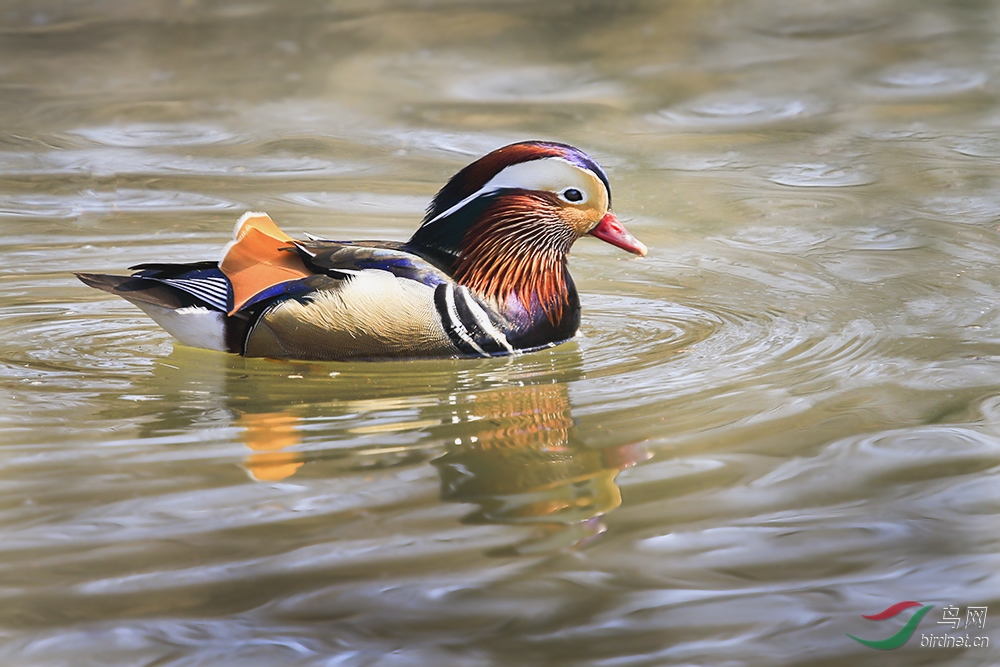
x,y
484,275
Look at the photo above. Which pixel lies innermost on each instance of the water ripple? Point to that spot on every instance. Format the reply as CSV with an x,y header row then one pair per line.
x,y
103,202
534,84
79,339
820,27
985,145
109,162
707,349
738,110
964,209
811,364
927,80
784,239
820,175
155,135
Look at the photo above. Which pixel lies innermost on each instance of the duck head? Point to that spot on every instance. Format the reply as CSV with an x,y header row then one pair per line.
x,y
504,224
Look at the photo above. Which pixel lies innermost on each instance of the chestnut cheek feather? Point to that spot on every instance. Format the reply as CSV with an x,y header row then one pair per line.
x,y
516,250
610,230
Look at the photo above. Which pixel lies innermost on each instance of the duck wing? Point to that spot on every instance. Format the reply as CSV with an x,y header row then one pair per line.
x,y
373,299
344,257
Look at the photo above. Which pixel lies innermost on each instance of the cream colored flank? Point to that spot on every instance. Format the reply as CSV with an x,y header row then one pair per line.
x,y
372,314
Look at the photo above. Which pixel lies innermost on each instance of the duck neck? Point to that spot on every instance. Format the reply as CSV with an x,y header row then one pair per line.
x,y
522,281
517,259
510,250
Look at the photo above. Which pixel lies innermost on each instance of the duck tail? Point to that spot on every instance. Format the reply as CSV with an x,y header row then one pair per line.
x,y
135,289
183,316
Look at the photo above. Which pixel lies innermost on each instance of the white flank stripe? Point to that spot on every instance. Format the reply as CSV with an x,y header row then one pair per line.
x,y
484,320
449,300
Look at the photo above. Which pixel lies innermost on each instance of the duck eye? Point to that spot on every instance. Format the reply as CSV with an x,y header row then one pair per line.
x,y
573,195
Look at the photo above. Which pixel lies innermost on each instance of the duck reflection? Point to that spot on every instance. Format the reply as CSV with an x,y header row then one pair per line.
x,y
269,435
512,451
518,459
523,464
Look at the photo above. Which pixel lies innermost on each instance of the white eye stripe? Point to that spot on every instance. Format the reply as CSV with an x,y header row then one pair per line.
x,y
552,174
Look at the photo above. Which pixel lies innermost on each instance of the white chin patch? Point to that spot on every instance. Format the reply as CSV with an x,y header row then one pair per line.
x,y
194,326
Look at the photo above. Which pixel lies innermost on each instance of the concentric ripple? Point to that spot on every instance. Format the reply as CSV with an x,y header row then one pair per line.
x,y
155,135
820,175
738,110
713,350
81,338
927,79
91,201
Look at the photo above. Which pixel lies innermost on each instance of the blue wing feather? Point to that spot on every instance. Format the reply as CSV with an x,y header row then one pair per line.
x,y
290,288
333,257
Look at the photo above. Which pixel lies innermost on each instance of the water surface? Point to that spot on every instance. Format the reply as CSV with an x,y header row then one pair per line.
x,y
785,417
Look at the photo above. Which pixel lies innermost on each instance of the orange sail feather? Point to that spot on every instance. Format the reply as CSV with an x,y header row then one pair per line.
x,y
261,256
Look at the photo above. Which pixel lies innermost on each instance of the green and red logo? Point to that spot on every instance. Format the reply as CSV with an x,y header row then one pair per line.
x,y
904,634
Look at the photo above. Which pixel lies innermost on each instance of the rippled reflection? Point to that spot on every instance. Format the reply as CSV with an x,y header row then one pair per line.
x,y
525,465
270,434
519,459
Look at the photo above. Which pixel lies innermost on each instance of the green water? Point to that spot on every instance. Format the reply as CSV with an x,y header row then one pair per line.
x,y
785,417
